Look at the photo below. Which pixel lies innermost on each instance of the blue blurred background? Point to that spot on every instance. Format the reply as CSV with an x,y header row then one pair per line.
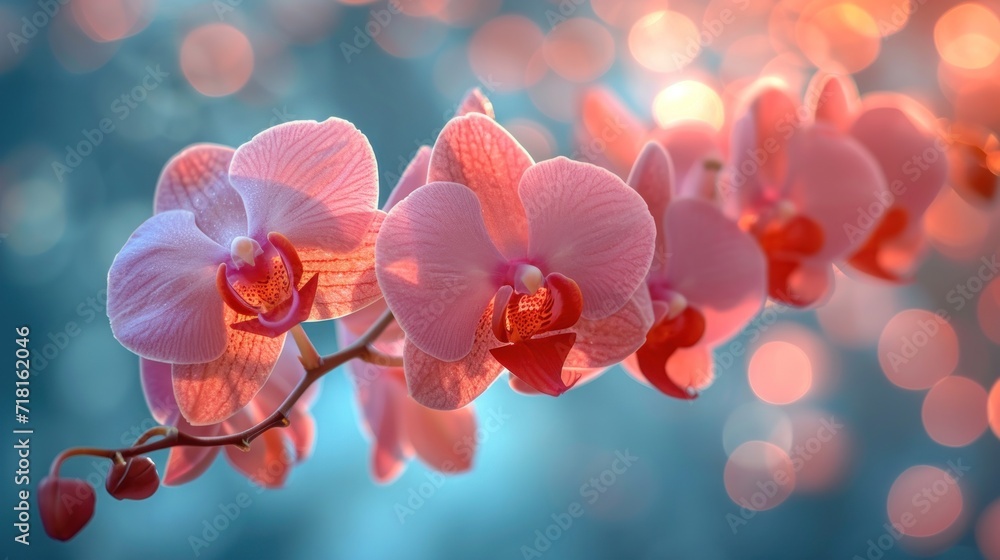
x,y
537,456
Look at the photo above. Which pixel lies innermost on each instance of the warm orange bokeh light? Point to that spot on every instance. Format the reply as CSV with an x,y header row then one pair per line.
x,y
579,49
780,373
917,349
839,37
217,59
988,531
993,409
924,501
533,136
506,53
856,312
112,20
820,450
664,41
956,228
954,411
689,99
968,36
759,475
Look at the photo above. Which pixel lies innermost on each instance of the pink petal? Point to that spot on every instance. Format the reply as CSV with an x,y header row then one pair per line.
x,y
197,179
267,463
158,389
475,102
652,177
314,182
444,439
188,463
211,392
570,375
413,177
347,281
162,300
301,432
605,342
690,144
831,179
610,135
588,225
759,151
477,152
437,268
833,99
715,265
689,368
449,385
913,159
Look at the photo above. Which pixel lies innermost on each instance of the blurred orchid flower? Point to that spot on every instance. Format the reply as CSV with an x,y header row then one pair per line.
x,y
611,136
798,188
271,455
974,162
243,245
501,262
903,138
708,279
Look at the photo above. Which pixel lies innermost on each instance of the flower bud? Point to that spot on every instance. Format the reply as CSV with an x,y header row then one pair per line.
x,y
135,479
65,506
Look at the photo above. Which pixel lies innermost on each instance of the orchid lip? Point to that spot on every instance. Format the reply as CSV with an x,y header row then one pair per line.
x,y
244,251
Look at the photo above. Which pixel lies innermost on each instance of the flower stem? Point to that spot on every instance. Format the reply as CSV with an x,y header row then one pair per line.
x,y
317,368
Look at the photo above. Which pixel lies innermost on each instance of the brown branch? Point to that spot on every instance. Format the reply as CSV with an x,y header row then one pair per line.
x,y
171,437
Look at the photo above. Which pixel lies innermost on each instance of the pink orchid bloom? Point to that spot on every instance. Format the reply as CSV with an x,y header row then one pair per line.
x,y
399,426
500,262
797,187
708,279
243,245
271,456
903,138
613,137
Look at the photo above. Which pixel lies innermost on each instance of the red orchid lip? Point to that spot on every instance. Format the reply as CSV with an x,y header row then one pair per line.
x,y
277,319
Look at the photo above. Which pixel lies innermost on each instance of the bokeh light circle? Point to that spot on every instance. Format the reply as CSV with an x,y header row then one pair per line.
x,y
217,59
780,372
838,37
759,476
988,531
664,41
579,49
993,408
505,53
968,36
917,349
954,411
689,99
924,501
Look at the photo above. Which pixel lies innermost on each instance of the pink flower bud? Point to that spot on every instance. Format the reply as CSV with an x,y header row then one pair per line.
x,y
65,505
135,479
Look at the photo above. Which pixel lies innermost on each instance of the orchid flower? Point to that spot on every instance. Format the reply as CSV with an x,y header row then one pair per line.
x,y
499,262
903,138
708,279
268,460
797,187
243,245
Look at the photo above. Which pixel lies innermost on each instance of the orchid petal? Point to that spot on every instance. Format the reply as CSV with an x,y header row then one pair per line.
x,y
715,265
605,342
589,226
413,177
347,281
444,439
449,385
162,300
267,462
213,391
197,180
316,183
652,177
158,389
477,152
437,265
